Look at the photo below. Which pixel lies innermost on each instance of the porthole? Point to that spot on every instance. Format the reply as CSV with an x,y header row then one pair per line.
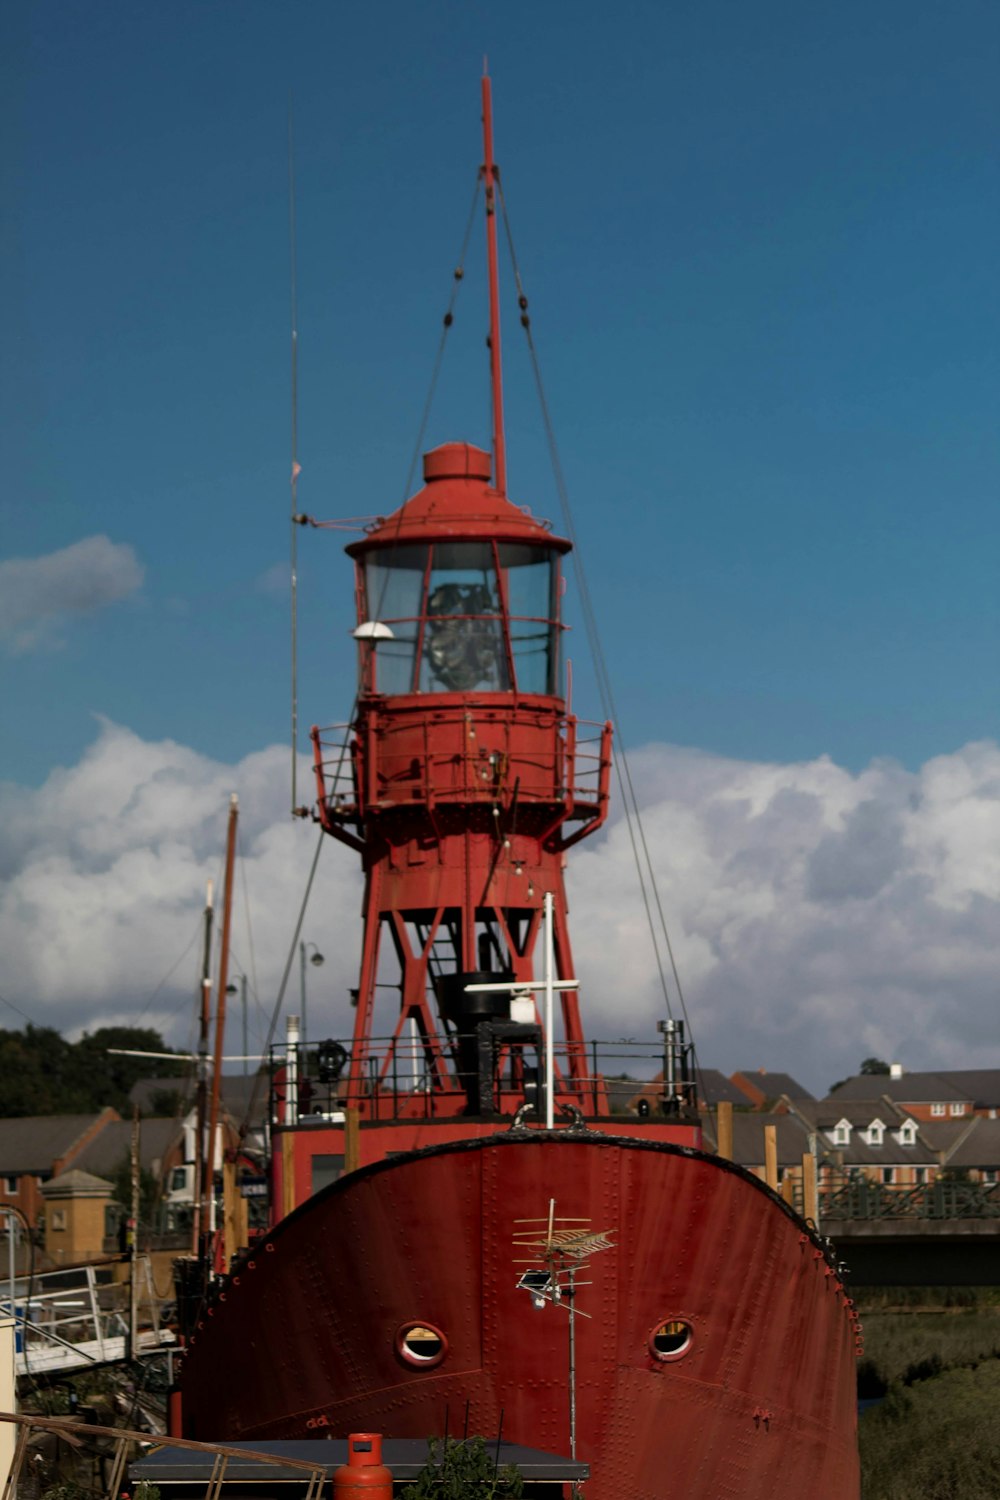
x,y
421,1345
671,1339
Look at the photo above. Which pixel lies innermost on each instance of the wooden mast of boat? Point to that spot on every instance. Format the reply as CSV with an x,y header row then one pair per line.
x,y
220,1004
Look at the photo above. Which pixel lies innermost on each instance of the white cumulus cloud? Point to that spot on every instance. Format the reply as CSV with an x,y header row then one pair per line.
x,y
817,915
38,593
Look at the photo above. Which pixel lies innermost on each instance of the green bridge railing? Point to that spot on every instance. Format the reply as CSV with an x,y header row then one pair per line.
x,y
862,1199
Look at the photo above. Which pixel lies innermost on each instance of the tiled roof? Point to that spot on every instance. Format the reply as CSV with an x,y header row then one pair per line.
x,y
912,1088
773,1085
715,1088
106,1152
237,1092
981,1085
791,1139
31,1143
75,1182
979,1147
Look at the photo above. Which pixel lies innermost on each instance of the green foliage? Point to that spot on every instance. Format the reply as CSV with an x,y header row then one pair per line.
x,y
874,1065
43,1074
935,1440
463,1470
904,1348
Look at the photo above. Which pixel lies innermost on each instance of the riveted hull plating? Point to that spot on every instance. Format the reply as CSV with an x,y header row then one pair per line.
x,y
304,1338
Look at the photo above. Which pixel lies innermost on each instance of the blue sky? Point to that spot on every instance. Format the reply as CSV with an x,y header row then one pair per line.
x,y
761,247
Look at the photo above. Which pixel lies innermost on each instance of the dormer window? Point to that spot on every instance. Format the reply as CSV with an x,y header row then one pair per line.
x,y
842,1133
908,1134
875,1133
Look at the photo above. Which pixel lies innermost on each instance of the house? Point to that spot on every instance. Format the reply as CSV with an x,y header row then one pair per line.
x,y
712,1089
791,1141
973,1150
36,1148
876,1138
925,1096
765,1090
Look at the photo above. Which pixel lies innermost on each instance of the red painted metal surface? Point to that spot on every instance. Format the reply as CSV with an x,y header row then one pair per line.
x,y
761,1404
463,780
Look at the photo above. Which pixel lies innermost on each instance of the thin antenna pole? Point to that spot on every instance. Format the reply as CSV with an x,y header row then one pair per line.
x,y
202,1095
496,375
296,470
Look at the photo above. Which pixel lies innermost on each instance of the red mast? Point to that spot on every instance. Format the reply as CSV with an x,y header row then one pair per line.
x,y
496,372
468,778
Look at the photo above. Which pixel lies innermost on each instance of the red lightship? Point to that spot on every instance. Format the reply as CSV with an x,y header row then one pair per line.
x,y
461,1225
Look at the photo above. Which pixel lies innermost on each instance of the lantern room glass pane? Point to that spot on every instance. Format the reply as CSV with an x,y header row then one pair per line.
x,y
394,581
530,574
463,632
445,607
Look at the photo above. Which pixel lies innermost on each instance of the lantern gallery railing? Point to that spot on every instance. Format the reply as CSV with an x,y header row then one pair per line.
x,y
571,769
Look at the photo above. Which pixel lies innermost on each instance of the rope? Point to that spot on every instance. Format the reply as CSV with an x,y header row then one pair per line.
x,y
644,865
275,1014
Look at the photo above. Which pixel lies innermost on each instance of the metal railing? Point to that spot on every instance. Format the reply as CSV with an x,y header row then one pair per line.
x,y
861,1198
406,1078
78,1316
85,1439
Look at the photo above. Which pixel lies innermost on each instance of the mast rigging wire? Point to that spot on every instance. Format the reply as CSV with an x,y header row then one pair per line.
x,y
279,1002
644,865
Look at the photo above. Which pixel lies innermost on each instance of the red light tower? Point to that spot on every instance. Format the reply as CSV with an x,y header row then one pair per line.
x,y
467,781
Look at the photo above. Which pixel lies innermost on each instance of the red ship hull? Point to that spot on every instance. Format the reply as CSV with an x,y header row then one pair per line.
x,y
304,1338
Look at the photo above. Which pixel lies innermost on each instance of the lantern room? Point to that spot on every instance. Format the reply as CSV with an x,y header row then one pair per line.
x,y
459,591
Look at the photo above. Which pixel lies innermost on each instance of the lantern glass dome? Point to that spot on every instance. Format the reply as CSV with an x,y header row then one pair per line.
x,y
465,616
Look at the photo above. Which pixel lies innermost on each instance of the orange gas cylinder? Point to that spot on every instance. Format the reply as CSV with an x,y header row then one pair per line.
x,y
364,1474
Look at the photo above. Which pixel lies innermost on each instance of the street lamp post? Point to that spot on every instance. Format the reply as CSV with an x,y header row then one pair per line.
x,y
316,959
231,990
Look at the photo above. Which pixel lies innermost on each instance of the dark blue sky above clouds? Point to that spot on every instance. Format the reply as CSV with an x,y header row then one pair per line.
x,y
760,245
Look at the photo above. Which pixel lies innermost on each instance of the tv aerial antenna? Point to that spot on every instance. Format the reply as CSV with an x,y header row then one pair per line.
x,y
553,1250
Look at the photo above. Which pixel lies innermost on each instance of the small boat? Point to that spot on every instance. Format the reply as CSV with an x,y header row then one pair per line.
x,y
467,1234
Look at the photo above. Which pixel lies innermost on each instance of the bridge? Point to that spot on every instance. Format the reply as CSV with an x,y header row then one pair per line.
x,y
942,1233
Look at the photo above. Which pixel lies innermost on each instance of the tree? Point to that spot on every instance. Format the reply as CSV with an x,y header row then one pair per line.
x,y
874,1065
41,1073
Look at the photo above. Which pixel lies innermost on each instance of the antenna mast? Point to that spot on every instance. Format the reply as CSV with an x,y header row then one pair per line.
x,y
496,376
296,470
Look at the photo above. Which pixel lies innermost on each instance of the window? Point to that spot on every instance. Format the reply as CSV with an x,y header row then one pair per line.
x,y
10,1186
421,1344
957,1109
990,1174
919,1175
462,615
908,1134
58,1218
671,1339
842,1134
326,1169
888,1176
937,1109
876,1133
